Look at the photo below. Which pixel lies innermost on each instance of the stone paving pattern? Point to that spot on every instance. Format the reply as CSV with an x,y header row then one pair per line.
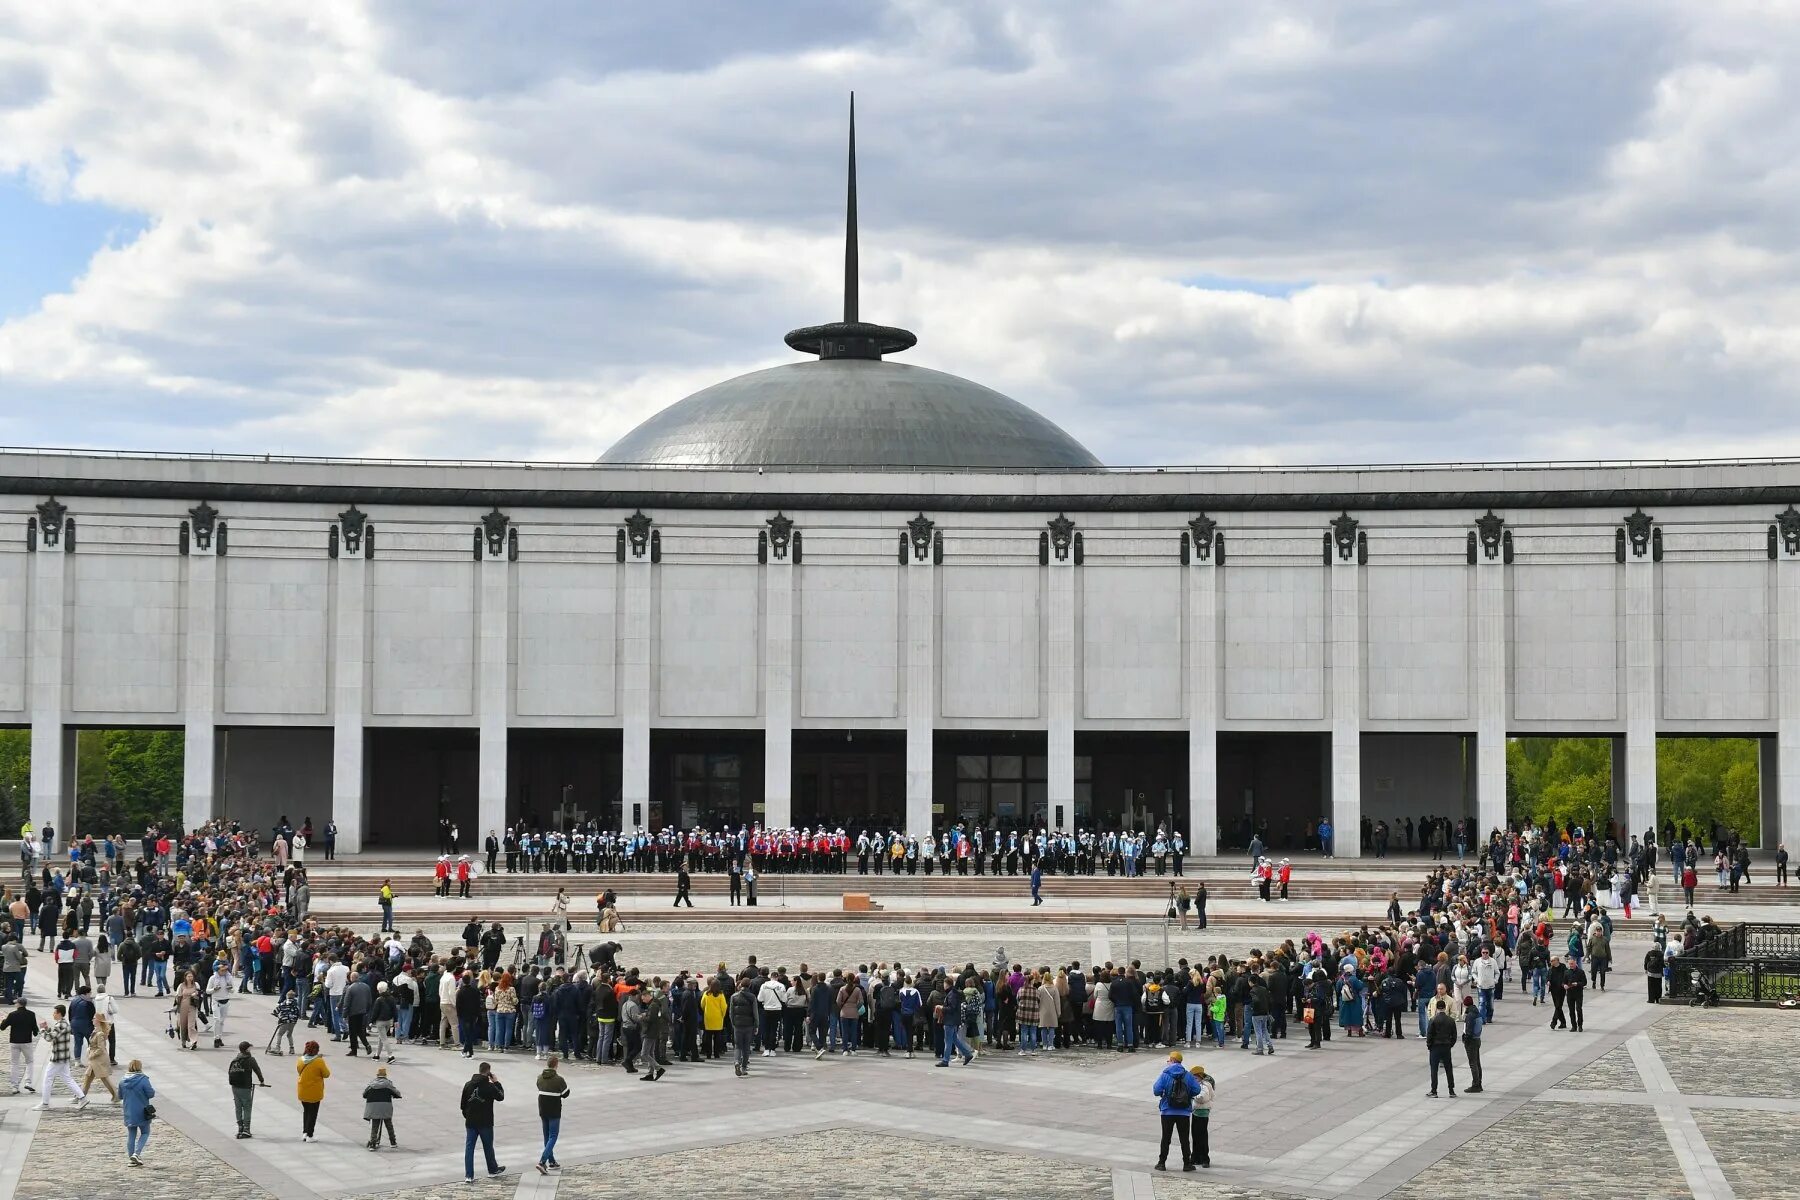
x,y
1585,1151
839,1162
1611,1072
1758,1151
1732,1051
83,1153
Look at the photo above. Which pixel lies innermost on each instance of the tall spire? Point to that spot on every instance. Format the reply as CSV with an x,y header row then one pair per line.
x,y
850,338
850,264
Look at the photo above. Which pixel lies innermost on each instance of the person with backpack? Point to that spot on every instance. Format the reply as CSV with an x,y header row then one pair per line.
x,y
244,1074
1176,1089
287,1015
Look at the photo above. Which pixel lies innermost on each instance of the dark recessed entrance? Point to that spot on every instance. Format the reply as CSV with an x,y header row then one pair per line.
x,y
1131,781
709,778
556,778
850,779
1272,783
417,776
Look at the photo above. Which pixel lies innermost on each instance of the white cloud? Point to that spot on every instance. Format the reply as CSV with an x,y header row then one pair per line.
x,y
1527,231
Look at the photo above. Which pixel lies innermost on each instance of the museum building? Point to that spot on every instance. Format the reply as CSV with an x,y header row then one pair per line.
x,y
851,591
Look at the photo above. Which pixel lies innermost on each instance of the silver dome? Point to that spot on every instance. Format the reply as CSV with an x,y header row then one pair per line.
x,y
850,412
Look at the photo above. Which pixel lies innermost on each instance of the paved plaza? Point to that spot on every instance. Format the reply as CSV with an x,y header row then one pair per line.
x,y
1648,1102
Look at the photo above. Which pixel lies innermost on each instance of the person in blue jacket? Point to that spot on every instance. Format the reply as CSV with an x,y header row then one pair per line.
x,y
135,1094
1176,1089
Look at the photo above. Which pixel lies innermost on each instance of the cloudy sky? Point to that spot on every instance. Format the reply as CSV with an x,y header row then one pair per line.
x,y
1188,232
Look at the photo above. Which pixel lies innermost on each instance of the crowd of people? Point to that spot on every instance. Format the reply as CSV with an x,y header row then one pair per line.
x,y
201,920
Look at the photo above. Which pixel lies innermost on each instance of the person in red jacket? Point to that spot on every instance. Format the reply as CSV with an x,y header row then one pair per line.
x,y
443,875
1286,873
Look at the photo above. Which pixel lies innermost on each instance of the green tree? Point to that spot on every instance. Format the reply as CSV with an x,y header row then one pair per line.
x,y
15,779
126,779
1566,780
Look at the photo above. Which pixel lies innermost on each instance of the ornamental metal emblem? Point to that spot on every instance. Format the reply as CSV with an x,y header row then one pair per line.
x,y
1491,528
50,520
493,527
353,519
919,530
1343,534
205,518
1637,528
781,534
1202,529
1788,522
1062,535
637,529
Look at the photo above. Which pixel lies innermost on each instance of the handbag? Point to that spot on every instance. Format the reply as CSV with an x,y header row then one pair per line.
x,y
149,1112
1307,1014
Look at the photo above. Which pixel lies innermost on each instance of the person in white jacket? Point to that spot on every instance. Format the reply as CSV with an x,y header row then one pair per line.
x,y
1484,973
446,1011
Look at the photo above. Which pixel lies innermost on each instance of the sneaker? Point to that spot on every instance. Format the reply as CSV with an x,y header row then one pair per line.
x,y
821,1054
498,1171
1160,1167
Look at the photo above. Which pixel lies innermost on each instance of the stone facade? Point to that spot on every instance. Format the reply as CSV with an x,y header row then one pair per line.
x,y
916,604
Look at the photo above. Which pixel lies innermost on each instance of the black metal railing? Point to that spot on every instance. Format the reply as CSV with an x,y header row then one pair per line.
x,y
1756,963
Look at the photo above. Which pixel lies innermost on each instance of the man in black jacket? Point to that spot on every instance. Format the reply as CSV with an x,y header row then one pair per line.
x,y
1440,1040
479,1096
1559,987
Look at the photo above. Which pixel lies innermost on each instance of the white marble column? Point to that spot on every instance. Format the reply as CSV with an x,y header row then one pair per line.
x,y
921,689
1640,693
634,692
1490,693
1344,633
778,692
1203,707
349,673
51,801
1787,706
493,691
199,686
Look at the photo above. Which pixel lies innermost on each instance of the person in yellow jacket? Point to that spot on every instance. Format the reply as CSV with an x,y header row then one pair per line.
x,y
310,1088
713,1004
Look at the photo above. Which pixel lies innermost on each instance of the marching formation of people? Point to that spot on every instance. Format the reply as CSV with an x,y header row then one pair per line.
x,y
957,850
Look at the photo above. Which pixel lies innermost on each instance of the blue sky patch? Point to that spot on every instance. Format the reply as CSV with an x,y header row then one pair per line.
x,y
45,245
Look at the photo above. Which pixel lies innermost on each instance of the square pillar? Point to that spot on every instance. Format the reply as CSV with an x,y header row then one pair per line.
x,y
1640,694
1203,706
921,675
1491,692
1785,775
52,756
493,691
349,673
1344,635
778,690
199,791
634,693
1059,639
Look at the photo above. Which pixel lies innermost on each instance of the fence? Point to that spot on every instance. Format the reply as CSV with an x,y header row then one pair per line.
x,y
1751,962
